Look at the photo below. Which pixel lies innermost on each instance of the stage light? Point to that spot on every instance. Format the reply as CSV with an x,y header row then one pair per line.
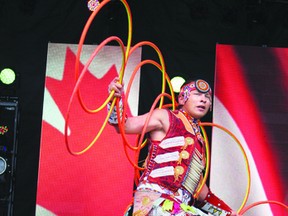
x,y
176,83
3,165
9,81
7,76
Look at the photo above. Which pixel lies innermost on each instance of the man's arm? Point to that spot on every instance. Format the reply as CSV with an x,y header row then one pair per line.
x,y
158,121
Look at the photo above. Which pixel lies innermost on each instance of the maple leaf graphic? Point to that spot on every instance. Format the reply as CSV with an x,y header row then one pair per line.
x,y
101,180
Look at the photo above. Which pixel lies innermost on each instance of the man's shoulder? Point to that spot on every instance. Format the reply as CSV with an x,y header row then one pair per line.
x,y
162,111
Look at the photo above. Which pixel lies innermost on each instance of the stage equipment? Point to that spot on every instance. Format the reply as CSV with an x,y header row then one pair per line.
x,y
8,82
9,115
7,76
177,82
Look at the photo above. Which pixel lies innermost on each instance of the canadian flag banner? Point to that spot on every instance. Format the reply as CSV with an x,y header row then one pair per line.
x,y
100,180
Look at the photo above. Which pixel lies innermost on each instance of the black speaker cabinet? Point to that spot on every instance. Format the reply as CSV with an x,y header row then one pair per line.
x,y
9,114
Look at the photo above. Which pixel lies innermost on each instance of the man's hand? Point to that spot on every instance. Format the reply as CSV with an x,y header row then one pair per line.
x,y
116,86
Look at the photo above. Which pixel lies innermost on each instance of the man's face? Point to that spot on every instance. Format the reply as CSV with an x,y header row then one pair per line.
x,y
198,104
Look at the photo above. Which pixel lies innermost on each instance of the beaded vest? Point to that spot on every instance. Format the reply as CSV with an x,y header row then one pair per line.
x,y
177,161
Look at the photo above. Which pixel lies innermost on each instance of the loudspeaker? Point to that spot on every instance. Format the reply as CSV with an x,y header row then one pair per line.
x,y
9,115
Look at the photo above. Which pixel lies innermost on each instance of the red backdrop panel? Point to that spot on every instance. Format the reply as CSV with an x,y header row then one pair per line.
x,y
251,101
100,181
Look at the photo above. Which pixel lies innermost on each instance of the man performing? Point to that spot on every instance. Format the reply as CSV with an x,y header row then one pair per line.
x,y
176,158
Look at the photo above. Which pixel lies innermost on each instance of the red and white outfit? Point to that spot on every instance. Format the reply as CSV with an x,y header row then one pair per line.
x,y
174,168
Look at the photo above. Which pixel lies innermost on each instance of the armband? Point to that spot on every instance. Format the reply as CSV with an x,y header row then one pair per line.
x,y
113,120
215,206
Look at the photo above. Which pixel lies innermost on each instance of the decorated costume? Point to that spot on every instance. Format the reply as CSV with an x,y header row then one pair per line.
x,y
173,172
174,167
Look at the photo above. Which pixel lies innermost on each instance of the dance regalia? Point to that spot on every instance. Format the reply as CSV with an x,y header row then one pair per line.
x,y
173,171
174,166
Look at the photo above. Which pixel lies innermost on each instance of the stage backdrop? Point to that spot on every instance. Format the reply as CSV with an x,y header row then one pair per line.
x,y
251,100
100,181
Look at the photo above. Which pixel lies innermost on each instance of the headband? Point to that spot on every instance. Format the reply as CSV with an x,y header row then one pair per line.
x,y
199,85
